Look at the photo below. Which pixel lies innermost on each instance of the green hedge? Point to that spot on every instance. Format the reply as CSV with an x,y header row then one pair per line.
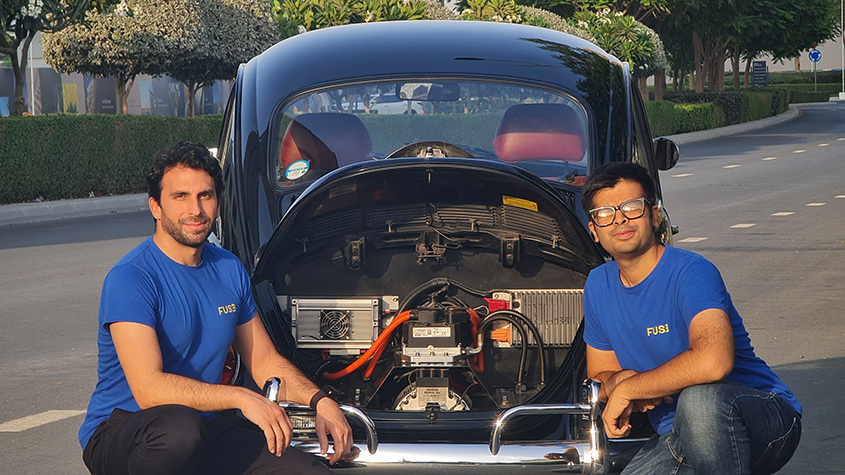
x,y
693,117
831,88
729,108
660,115
759,105
780,100
805,77
70,156
809,96
733,104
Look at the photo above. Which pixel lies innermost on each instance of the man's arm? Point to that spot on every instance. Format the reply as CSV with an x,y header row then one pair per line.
x,y
603,367
263,361
140,357
709,359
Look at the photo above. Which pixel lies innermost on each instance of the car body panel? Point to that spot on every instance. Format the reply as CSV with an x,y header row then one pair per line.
x,y
421,231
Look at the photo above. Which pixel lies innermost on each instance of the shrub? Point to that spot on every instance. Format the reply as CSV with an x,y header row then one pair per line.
x,y
718,116
693,117
759,105
780,100
805,77
734,104
809,96
69,156
660,115
831,88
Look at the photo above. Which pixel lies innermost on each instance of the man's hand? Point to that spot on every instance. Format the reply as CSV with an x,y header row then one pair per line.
x,y
331,421
620,406
271,418
643,405
617,415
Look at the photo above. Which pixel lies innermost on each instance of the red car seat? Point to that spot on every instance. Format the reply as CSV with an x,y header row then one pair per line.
x,y
325,141
540,132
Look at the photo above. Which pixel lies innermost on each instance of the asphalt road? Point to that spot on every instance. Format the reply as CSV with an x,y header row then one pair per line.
x,y
765,206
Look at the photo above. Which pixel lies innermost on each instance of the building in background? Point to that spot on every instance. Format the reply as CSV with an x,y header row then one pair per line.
x,y
54,93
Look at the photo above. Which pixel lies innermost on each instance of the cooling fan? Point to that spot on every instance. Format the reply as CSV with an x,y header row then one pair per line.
x,y
334,324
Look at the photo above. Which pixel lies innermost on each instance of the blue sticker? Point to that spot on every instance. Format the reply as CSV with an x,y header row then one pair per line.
x,y
297,169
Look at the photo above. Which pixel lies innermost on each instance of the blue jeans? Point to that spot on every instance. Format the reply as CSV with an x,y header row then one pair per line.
x,y
723,428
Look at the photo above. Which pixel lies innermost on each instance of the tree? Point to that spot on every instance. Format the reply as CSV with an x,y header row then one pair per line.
x,y
511,12
642,11
22,19
722,28
785,29
628,40
122,42
193,41
298,16
226,33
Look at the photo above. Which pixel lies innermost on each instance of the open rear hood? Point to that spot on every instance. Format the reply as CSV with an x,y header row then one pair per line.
x,y
386,226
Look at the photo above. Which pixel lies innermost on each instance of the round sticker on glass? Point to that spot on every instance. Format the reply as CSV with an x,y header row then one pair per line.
x,y
297,169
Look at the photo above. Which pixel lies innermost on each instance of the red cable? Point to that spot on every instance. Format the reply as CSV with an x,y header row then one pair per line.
x,y
478,358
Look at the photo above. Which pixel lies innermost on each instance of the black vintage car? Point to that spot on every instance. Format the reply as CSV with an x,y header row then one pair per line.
x,y
406,196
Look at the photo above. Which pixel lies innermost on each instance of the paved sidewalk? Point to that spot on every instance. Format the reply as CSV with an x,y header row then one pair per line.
x,y
63,209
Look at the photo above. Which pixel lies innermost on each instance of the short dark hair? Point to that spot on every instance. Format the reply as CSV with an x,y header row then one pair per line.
x,y
609,175
183,154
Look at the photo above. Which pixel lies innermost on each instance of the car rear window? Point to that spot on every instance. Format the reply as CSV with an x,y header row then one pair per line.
x,y
543,131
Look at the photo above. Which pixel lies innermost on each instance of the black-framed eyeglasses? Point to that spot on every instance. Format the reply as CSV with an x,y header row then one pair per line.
x,y
631,209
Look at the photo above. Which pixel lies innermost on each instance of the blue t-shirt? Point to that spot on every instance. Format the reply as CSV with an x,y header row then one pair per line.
x,y
194,310
648,324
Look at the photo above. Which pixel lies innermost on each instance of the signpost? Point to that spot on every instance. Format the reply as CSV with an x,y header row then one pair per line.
x,y
759,74
815,56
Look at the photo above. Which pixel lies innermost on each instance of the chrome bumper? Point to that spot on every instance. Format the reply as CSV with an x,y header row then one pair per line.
x,y
580,456
548,456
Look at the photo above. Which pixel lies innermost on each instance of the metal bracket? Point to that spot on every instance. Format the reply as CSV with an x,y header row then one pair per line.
x,y
355,254
509,252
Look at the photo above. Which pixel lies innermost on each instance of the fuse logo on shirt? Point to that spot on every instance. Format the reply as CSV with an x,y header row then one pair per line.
x,y
227,309
658,330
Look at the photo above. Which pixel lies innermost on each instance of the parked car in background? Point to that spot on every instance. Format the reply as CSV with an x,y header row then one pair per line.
x,y
427,269
390,103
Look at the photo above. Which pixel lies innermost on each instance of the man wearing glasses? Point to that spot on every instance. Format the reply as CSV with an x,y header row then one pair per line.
x,y
663,337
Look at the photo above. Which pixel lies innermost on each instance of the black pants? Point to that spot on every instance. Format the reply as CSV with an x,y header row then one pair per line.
x,y
175,440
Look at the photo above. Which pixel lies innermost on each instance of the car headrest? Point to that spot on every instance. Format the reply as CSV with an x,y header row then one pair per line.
x,y
540,132
326,141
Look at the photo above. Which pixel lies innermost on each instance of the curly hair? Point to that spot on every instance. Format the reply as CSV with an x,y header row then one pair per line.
x,y
183,154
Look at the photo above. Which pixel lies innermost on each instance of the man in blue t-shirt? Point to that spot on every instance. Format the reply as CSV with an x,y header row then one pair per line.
x,y
169,311
663,337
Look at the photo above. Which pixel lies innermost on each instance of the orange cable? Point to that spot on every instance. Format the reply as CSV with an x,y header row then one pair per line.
x,y
381,341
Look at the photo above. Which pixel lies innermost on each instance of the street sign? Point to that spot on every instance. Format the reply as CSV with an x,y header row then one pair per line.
x,y
815,55
759,74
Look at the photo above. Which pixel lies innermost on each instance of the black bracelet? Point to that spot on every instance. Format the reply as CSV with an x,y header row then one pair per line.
x,y
316,398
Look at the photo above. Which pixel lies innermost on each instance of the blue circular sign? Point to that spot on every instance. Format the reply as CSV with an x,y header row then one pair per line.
x,y
815,55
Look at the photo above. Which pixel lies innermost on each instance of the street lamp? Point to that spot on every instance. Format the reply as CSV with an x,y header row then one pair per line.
x,y
842,45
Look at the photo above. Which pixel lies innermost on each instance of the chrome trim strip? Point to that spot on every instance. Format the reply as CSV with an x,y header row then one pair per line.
x,y
570,455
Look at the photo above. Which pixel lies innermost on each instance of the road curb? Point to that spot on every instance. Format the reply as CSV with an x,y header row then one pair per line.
x,y
22,213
